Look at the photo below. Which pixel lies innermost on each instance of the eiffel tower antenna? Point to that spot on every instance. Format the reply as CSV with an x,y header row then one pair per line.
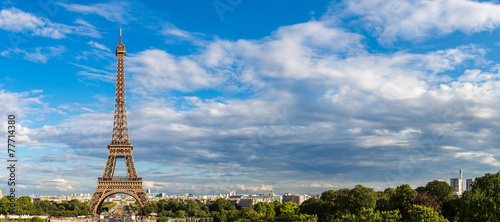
x,y
119,147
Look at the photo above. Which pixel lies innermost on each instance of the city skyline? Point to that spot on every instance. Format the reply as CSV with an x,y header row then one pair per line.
x,y
253,96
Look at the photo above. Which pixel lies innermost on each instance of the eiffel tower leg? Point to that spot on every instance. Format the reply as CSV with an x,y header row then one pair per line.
x,y
94,201
129,161
109,169
142,198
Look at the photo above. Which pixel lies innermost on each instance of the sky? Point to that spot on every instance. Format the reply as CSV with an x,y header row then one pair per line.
x,y
253,96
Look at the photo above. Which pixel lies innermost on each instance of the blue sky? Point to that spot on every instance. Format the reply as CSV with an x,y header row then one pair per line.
x,y
253,96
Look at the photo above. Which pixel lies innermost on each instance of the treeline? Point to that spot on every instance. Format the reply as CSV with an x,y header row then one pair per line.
x,y
429,203
223,210
433,202
24,206
34,219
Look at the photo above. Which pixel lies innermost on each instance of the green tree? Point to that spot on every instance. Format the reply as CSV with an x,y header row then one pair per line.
x,y
298,218
444,193
478,206
249,214
220,216
180,213
5,205
232,215
162,219
451,208
442,190
361,198
402,199
37,219
391,216
483,201
192,208
314,206
288,209
265,210
348,201
371,215
25,205
330,195
220,204
427,200
153,206
383,199
276,205
420,189
422,214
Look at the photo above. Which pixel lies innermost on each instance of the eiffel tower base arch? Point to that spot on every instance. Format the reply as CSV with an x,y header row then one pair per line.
x,y
110,186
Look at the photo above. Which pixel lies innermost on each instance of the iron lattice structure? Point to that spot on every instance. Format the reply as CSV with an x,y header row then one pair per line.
x,y
119,147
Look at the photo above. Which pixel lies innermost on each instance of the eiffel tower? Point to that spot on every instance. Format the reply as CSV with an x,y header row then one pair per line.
x,y
119,147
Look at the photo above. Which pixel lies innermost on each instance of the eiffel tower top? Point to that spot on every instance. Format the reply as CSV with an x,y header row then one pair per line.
x,y
120,48
120,126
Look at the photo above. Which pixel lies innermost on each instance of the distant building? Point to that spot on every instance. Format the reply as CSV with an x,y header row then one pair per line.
x,y
469,183
232,193
296,198
248,200
457,184
151,195
148,191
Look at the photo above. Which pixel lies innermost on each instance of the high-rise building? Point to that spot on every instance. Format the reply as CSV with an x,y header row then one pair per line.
x,y
468,183
457,184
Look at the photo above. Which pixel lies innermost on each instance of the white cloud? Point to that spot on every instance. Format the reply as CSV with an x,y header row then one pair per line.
x,y
261,187
170,29
481,157
99,46
156,185
38,54
173,35
157,70
422,19
19,103
62,184
115,12
296,53
290,52
384,137
96,74
15,20
477,75
84,23
450,148
318,185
